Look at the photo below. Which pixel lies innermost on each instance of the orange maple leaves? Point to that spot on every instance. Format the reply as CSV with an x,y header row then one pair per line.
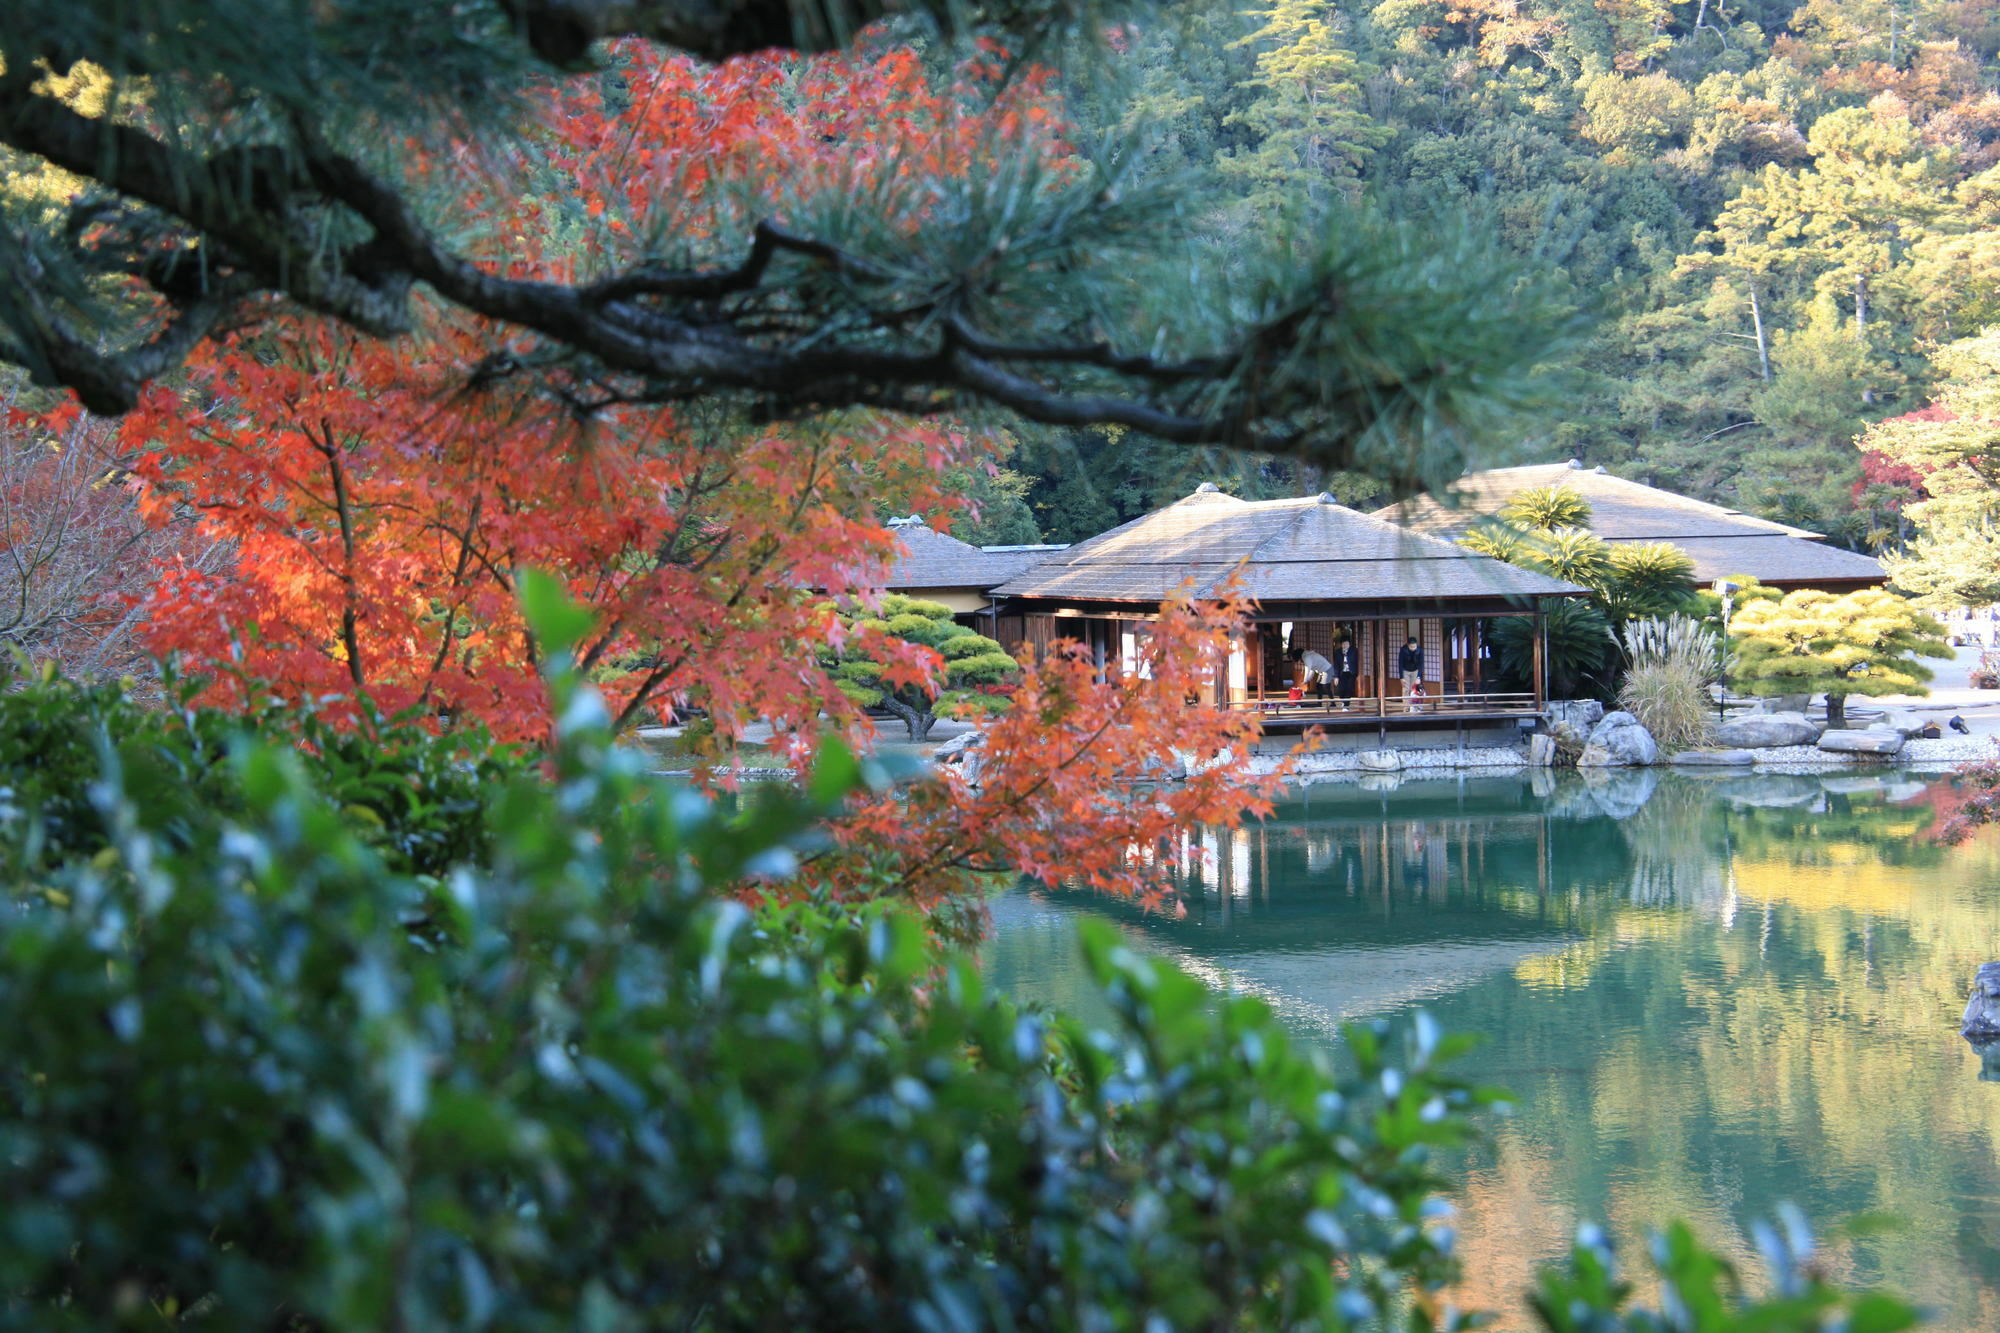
x,y
381,500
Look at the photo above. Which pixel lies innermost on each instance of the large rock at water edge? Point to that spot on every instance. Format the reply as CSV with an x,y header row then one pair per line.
x,y
1379,761
1713,758
1582,714
1541,750
1875,740
1764,731
1982,1011
1619,741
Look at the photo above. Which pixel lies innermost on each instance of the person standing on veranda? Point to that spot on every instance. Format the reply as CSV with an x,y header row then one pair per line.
x,y
1346,669
1410,666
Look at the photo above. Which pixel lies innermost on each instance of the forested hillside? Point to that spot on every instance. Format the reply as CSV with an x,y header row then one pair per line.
x,y
1775,212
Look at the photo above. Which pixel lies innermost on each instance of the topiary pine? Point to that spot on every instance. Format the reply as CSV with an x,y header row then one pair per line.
x,y
1812,642
971,663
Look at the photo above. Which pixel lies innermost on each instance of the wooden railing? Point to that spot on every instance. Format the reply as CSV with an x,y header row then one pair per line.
x,y
1488,703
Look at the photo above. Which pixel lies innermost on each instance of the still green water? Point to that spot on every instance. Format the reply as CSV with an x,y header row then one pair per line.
x,y
1706,995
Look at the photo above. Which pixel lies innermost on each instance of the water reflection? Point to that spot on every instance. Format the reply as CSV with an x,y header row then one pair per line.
x,y
1707,994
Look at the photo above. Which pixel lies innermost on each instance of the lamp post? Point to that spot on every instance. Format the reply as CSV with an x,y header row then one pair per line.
x,y
1723,589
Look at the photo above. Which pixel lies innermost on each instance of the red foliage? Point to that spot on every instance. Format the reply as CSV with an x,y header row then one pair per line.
x,y
1969,801
381,499
378,508
1069,784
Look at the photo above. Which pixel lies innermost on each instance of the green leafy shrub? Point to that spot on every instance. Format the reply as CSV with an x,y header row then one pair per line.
x,y
416,797
1648,580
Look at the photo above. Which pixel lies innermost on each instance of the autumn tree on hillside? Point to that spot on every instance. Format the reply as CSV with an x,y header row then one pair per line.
x,y
1811,642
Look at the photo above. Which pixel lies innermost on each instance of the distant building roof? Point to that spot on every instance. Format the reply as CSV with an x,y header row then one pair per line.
x,y
930,559
1720,540
1296,551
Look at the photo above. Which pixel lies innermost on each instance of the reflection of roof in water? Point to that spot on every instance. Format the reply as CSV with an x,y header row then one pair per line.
x,y
1317,991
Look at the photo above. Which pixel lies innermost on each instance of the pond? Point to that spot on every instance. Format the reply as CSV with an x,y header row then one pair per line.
x,y
1706,996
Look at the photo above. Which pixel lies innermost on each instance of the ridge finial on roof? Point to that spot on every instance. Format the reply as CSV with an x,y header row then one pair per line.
x,y
1325,498
1576,463
1599,469
909,521
1207,488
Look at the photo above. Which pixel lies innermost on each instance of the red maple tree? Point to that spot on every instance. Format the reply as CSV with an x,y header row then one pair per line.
x,y
380,500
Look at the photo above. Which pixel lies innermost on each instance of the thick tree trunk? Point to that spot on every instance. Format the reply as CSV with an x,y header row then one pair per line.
x,y
917,721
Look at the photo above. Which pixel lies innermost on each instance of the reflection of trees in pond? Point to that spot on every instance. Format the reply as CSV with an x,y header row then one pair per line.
x,y
1798,1051
1677,1049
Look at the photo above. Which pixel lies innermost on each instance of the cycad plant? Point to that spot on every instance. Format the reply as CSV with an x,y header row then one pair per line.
x,y
1670,662
1578,647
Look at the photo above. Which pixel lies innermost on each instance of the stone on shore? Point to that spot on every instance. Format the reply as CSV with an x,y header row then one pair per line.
x,y
1582,714
963,753
1764,731
1875,740
1713,758
1619,741
1982,1011
1379,761
1541,750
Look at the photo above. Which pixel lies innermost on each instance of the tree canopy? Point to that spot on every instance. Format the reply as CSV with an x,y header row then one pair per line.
x,y
368,164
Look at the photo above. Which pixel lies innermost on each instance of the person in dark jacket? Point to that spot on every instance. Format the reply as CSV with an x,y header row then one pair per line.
x,y
1410,666
1346,670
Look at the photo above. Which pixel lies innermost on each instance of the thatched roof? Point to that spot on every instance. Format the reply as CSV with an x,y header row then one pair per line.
x,y
930,559
1718,539
1287,551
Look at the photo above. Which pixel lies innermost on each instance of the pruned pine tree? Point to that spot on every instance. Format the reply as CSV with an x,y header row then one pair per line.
x,y
245,154
1811,642
970,660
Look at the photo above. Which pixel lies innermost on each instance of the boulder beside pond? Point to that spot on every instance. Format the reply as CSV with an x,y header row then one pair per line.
x,y
1875,740
1619,741
1379,761
1765,731
1982,1012
1582,714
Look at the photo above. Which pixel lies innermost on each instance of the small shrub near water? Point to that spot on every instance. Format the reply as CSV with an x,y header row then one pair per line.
x,y
1671,662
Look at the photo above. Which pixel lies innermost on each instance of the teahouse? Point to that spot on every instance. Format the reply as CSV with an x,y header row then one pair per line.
x,y
1319,573
1721,541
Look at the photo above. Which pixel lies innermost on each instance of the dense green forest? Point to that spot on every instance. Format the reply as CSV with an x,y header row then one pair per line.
x,y
1775,214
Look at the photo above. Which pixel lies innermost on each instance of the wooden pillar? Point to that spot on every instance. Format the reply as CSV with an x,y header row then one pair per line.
x,y
1381,668
1541,657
